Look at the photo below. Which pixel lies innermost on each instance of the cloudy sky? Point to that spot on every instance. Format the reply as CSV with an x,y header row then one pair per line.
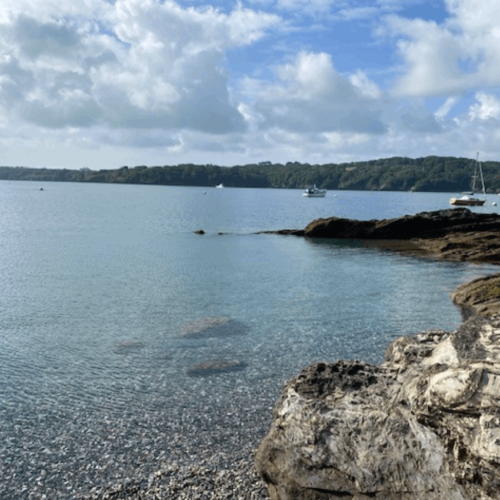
x,y
107,83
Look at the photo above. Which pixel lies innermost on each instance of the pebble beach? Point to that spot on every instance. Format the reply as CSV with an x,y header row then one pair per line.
x,y
153,454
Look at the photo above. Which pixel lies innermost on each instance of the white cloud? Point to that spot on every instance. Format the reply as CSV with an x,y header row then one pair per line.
x,y
306,6
365,85
311,96
432,56
487,107
131,64
355,13
446,107
345,10
95,80
458,55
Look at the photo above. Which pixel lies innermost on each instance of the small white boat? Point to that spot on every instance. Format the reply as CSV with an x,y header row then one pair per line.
x,y
314,192
468,199
220,186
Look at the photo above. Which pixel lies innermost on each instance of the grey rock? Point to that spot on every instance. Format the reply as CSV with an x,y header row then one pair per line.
x,y
424,424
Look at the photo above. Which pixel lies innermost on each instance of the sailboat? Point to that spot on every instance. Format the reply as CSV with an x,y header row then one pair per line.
x,y
468,199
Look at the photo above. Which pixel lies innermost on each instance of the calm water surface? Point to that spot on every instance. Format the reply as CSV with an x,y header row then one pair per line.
x,y
85,268
98,282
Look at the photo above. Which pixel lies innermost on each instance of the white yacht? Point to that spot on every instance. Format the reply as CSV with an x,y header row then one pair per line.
x,y
468,199
314,192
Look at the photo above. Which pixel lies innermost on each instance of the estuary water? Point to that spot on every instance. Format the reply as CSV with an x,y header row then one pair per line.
x,y
107,295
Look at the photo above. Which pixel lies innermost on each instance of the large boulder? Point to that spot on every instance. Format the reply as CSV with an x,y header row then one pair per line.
x,y
425,424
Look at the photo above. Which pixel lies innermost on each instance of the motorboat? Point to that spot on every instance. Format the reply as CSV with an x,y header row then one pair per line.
x,y
468,199
314,192
220,186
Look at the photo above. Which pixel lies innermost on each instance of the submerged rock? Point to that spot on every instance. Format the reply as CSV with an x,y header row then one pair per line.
x,y
216,366
425,424
199,325
127,346
212,326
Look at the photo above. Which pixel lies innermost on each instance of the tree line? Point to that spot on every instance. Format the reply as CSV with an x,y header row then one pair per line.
x,y
431,173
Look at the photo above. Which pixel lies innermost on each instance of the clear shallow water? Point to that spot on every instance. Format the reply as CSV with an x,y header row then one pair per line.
x,y
98,281
87,267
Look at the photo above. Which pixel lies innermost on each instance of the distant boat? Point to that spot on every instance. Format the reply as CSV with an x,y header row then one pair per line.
x,y
220,186
468,199
314,192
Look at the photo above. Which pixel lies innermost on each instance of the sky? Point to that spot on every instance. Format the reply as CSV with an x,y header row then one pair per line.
x,y
107,83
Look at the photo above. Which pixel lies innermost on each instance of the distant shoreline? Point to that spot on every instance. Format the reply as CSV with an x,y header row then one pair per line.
x,y
427,174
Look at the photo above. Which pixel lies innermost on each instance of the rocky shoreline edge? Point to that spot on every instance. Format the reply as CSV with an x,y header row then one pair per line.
x,y
423,424
456,234
293,459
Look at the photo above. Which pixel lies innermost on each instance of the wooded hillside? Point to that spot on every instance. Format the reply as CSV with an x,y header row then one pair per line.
x,y
432,173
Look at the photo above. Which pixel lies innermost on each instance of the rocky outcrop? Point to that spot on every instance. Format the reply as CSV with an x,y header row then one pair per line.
x,y
481,295
453,234
425,424
425,225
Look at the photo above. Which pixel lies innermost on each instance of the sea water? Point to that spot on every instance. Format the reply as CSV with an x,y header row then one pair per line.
x,y
87,267
98,283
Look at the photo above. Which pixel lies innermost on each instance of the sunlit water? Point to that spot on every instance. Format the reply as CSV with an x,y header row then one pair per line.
x,y
98,281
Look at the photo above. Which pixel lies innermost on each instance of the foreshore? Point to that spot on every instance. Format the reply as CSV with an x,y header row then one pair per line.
x,y
423,423
219,476
231,474
205,452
